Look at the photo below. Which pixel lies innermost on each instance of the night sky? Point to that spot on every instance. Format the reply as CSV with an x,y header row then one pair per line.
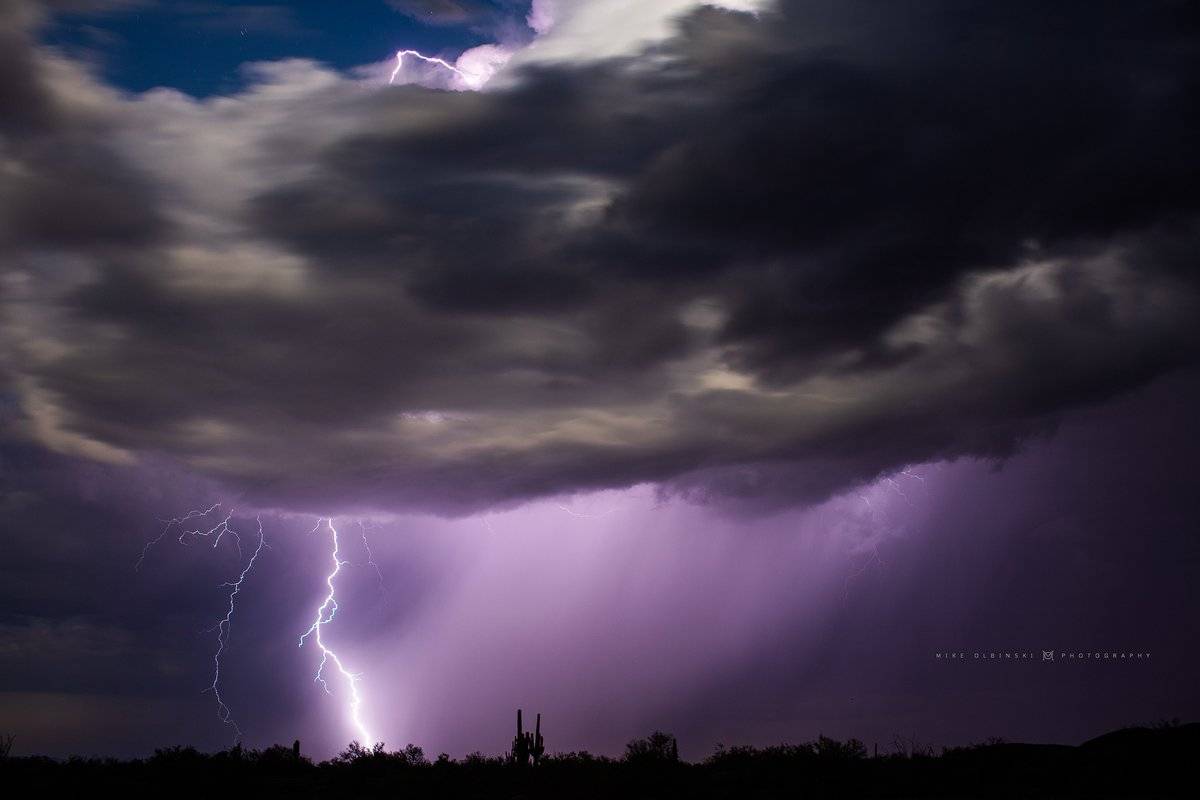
x,y
718,368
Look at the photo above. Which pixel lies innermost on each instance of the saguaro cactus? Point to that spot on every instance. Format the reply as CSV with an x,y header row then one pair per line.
x,y
539,747
527,747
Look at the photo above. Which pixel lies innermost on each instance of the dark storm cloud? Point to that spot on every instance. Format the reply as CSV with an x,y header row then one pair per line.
x,y
770,255
942,144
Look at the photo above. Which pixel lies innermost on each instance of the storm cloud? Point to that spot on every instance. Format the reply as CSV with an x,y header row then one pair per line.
x,y
769,257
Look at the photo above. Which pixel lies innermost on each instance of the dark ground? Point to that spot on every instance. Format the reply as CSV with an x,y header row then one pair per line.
x,y
1154,761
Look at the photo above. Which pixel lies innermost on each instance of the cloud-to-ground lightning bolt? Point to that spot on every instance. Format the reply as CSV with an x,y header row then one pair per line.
x,y
325,614
473,81
222,629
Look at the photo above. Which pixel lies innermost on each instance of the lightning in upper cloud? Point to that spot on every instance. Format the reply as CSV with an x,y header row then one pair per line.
x,y
222,629
479,65
429,60
325,614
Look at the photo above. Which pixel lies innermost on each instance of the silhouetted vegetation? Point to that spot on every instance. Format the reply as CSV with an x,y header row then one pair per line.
x,y
1154,761
657,749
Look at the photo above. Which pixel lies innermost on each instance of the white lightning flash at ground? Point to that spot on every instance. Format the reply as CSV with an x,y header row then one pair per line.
x,y
325,614
472,81
222,629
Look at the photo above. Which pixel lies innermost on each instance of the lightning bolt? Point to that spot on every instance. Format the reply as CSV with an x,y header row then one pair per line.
x,y
168,524
917,477
896,488
325,614
371,557
216,532
222,629
872,560
470,80
581,515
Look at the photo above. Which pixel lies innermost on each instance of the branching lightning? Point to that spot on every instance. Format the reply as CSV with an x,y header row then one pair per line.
x,y
216,533
168,524
871,550
222,629
872,560
917,477
896,488
470,80
325,614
